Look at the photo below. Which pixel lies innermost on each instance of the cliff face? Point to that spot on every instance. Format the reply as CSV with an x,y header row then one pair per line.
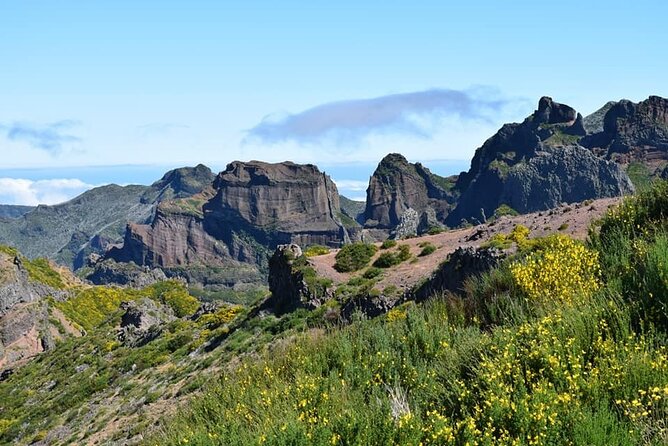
x,y
536,165
634,132
249,210
398,185
276,203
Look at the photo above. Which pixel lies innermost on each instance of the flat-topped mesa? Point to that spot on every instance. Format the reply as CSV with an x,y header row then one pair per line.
x,y
250,209
535,165
397,185
277,204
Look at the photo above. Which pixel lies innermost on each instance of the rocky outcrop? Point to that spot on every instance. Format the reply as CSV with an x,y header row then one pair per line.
x,y
142,321
535,165
250,209
397,185
462,264
408,224
634,132
277,204
27,325
127,274
287,281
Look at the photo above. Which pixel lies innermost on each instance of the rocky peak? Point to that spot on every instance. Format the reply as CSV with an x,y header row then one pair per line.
x,y
535,164
397,185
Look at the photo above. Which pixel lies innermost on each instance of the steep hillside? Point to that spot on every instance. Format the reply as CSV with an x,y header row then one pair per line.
x,y
97,218
561,342
536,165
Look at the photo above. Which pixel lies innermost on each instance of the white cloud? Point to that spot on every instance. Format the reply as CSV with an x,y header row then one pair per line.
x,y
29,192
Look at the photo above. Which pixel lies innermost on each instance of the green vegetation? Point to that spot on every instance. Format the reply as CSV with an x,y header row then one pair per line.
x,y
640,175
316,250
434,230
562,227
504,210
519,235
427,248
559,138
564,343
390,259
389,243
354,256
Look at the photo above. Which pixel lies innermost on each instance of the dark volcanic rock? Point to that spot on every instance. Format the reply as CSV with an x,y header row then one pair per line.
x,y
594,123
634,132
277,204
460,265
397,185
530,165
289,289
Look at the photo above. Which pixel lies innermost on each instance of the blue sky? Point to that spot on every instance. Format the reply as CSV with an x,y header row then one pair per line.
x,y
99,92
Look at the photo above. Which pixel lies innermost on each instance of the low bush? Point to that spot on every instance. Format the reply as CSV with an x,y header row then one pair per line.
x,y
389,243
427,249
354,257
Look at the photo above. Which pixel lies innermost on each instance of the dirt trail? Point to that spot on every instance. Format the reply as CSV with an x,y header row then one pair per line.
x,y
573,219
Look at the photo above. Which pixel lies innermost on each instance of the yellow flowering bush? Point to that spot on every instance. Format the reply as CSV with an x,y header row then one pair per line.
x,y
559,270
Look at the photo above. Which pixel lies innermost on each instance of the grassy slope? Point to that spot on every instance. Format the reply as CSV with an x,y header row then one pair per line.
x,y
506,363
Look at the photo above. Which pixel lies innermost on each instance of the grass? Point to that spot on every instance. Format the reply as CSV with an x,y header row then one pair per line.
x,y
508,361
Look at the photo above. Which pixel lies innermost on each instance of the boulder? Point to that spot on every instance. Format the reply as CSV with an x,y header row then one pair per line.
x,y
142,321
462,264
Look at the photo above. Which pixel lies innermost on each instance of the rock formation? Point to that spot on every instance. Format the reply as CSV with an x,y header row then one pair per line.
x,y
397,185
250,209
289,289
634,132
27,326
535,165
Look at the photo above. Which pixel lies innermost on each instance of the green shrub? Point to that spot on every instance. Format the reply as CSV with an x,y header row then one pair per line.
x,y
427,249
386,260
354,257
389,243
372,273
435,230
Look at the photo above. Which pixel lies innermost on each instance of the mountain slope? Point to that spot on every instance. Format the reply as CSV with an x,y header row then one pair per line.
x,y
536,165
95,219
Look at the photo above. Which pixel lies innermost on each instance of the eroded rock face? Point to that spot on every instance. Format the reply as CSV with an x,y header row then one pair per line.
x,y
634,132
397,185
250,209
530,165
288,287
26,326
277,203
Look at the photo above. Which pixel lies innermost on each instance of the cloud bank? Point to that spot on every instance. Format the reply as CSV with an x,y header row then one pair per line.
x,y
48,137
32,193
353,120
